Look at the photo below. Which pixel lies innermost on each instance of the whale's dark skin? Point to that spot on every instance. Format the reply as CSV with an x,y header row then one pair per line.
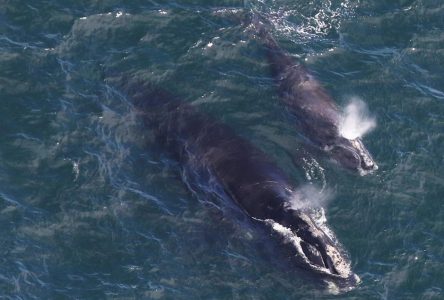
x,y
246,173
315,110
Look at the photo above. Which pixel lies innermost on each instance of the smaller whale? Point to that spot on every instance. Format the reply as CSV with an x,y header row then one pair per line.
x,y
315,110
247,175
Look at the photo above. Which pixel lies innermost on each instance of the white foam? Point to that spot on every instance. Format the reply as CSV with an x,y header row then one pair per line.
x,y
356,120
313,21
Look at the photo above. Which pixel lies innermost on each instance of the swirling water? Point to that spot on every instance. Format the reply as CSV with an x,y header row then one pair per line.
x,y
92,208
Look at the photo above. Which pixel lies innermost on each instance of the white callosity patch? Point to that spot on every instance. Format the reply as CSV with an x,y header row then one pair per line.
x,y
289,236
309,201
341,264
356,120
358,146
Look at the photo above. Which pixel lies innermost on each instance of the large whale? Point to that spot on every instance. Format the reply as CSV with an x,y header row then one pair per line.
x,y
315,110
248,176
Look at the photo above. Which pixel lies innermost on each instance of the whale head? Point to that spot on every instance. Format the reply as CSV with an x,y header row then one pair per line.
x,y
353,155
313,246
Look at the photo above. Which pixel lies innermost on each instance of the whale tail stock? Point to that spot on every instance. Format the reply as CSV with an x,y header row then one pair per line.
x,y
277,56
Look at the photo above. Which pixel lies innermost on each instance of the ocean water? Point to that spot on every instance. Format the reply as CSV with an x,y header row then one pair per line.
x,y
92,208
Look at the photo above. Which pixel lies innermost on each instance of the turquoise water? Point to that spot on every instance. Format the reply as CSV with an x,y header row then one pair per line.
x,y
92,208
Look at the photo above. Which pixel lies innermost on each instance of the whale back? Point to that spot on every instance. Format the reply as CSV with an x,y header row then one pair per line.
x,y
315,111
195,138
300,92
248,176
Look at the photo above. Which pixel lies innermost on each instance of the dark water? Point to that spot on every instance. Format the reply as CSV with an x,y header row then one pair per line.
x,y
90,208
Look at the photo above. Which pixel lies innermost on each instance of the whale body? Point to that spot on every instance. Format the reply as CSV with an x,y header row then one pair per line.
x,y
315,110
248,176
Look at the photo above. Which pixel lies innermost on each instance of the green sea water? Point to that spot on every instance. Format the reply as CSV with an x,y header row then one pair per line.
x,y
92,208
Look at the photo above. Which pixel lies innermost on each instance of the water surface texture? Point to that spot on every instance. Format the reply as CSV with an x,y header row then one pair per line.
x,y
92,208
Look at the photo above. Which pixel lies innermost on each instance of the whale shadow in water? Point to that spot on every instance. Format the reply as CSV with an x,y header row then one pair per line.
x,y
247,175
316,113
